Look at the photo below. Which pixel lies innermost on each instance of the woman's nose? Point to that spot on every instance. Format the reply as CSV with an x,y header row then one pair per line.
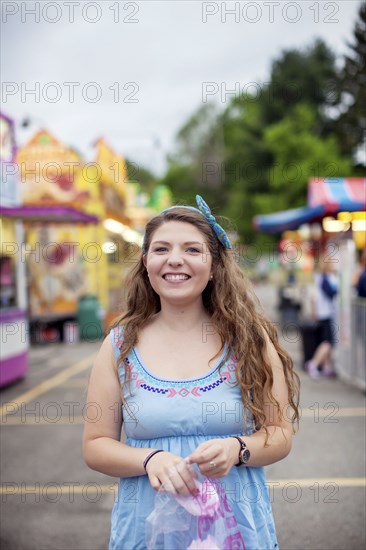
x,y
175,257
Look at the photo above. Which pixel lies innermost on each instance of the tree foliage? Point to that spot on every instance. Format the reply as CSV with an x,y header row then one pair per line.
x,y
300,154
308,76
257,155
351,124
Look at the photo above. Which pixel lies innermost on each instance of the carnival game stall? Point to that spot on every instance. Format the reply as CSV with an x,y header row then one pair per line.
x,y
82,233
60,254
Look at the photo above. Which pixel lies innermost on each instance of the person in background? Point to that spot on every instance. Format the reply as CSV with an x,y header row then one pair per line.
x,y
361,282
204,351
326,290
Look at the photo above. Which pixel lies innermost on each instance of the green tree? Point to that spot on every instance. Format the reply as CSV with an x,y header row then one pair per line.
x,y
247,157
299,154
308,76
291,153
181,180
351,124
297,77
244,159
141,175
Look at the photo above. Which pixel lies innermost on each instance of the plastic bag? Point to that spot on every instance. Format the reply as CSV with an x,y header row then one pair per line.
x,y
203,522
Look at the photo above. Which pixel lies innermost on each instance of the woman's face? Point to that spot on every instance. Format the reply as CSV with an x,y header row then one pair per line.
x,y
178,262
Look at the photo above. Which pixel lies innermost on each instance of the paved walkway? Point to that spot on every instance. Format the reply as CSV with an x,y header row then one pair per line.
x,y
51,500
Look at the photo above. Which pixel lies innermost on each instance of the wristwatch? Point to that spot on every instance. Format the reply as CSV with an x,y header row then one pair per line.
x,y
244,453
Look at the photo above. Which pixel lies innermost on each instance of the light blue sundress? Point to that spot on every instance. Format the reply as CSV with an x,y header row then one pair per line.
x,y
177,416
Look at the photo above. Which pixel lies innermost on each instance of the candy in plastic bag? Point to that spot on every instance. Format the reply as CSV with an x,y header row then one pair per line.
x,y
202,522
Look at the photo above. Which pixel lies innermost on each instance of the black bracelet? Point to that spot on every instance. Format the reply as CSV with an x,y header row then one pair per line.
x,y
150,456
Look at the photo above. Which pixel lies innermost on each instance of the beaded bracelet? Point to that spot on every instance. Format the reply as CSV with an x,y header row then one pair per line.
x,y
150,456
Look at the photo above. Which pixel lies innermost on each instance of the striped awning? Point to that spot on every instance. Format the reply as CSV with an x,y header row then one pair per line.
x,y
338,194
287,219
326,196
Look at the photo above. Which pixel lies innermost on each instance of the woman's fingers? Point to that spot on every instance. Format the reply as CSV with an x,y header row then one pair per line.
x,y
177,476
168,487
201,453
214,458
205,453
155,483
180,480
188,475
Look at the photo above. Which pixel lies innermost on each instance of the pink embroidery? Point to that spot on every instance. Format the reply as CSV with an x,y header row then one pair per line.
x,y
163,387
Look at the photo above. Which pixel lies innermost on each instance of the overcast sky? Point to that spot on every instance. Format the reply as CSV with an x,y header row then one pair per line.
x,y
137,70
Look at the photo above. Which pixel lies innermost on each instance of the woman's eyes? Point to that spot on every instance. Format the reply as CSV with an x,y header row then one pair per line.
x,y
163,249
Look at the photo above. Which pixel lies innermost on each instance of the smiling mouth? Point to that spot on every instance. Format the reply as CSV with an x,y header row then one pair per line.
x,y
177,277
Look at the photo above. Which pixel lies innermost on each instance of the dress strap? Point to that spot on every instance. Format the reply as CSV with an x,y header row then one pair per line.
x,y
116,335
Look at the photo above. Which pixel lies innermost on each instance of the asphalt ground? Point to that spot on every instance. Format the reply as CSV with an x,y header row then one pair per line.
x,y
51,500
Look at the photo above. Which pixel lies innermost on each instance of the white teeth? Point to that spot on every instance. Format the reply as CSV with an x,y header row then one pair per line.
x,y
176,277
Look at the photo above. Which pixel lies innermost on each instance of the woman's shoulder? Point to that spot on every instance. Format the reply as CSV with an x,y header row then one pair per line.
x,y
118,333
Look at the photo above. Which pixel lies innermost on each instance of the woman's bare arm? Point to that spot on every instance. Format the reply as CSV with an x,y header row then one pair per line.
x,y
279,427
225,452
102,449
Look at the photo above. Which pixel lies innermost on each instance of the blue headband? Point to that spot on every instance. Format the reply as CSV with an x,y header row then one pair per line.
x,y
204,209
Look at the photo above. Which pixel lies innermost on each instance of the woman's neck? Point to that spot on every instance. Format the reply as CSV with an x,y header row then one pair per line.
x,y
182,318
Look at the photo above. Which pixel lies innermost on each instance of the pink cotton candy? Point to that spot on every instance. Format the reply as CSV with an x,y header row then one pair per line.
x,y
206,503
202,522
207,544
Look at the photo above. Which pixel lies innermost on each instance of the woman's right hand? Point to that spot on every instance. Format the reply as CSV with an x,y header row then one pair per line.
x,y
171,473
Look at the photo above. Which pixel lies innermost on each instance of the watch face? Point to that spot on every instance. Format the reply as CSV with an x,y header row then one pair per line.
x,y
245,456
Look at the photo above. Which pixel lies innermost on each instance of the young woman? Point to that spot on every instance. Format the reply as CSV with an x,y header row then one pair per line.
x,y
195,373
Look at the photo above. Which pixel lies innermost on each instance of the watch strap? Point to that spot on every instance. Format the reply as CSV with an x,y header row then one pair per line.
x,y
242,448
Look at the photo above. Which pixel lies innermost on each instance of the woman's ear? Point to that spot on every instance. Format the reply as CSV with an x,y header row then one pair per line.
x,y
144,259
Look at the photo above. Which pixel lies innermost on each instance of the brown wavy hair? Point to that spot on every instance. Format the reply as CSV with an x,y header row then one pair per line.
x,y
235,314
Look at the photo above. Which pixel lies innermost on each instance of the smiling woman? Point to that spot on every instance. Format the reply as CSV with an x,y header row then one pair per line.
x,y
200,379
174,262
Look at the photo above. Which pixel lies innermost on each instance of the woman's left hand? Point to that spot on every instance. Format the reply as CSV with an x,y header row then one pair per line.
x,y
216,457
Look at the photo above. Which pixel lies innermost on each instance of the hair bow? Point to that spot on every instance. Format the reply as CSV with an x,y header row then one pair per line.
x,y
204,209
220,232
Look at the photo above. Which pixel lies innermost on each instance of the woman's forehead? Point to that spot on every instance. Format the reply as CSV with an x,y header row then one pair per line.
x,y
178,231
